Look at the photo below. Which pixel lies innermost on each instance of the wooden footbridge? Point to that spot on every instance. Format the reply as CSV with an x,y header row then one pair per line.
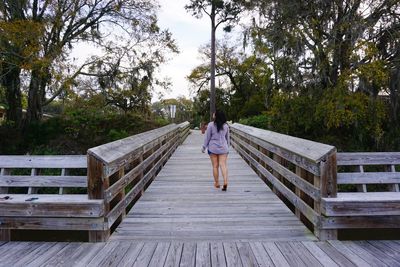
x,y
149,200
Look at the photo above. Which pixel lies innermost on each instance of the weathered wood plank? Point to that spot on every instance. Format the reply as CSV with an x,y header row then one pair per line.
x,y
292,257
84,254
131,254
43,181
203,256
296,180
111,254
362,204
336,254
309,149
217,255
294,158
62,258
117,153
304,254
145,254
368,158
275,254
354,222
363,253
246,254
261,255
51,206
174,255
376,255
46,223
188,257
232,254
34,251
44,255
369,178
160,254
385,248
43,162
349,254
322,257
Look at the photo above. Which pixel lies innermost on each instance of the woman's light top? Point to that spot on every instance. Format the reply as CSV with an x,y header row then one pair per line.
x,y
217,142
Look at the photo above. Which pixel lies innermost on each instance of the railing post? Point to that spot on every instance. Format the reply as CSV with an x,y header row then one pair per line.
x,y
327,182
5,234
97,183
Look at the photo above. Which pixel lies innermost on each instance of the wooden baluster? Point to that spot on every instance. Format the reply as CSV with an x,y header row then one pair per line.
x,y
303,174
361,187
97,183
392,187
63,173
121,195
33,190
141,172
278,159
4,171
5,234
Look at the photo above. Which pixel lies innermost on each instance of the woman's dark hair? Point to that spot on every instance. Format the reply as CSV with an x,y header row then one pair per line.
x,y
220,119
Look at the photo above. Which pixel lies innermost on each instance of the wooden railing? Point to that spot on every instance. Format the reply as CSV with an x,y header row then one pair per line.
x,y
119,172
307,176
46,193
368,194
89,193
300,172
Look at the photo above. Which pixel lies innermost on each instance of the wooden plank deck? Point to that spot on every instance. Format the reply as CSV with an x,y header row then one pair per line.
x,y
229,253
182,205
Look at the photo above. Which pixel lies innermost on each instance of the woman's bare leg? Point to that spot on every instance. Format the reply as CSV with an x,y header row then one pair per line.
x,y
224,169
215,165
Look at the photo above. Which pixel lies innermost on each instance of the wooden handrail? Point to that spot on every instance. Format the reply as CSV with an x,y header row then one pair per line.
x,y
360,160
120,171
300,171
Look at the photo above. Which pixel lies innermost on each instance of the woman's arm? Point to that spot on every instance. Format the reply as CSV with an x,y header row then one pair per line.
x,y
207,137
227,137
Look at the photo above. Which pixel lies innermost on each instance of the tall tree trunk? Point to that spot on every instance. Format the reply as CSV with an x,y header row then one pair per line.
x,y
212,76
394,89
10,80
34,112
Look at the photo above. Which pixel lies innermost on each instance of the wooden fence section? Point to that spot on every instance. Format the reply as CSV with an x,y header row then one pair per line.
x,y
119,172
306,175
63,193
300,172
46,193
369,195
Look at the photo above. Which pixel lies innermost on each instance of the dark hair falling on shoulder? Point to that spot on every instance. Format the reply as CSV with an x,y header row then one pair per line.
x,y
219,119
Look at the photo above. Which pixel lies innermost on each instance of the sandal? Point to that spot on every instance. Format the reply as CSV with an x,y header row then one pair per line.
x,y
224,187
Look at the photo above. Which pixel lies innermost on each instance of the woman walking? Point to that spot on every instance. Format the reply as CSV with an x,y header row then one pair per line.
x,y
217,143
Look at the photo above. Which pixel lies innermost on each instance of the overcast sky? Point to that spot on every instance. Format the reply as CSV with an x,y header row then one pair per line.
x,y
190,33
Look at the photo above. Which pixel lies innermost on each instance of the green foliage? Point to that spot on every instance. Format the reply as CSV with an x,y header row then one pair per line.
x,y
73,133
114,134
259,121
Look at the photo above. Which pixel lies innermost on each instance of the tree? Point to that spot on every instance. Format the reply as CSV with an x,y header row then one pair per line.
x,y
245,78
59,25
220,12
321,40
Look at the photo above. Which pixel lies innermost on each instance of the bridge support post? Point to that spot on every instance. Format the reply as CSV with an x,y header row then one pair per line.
x,y
327,182
5,235
97,183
